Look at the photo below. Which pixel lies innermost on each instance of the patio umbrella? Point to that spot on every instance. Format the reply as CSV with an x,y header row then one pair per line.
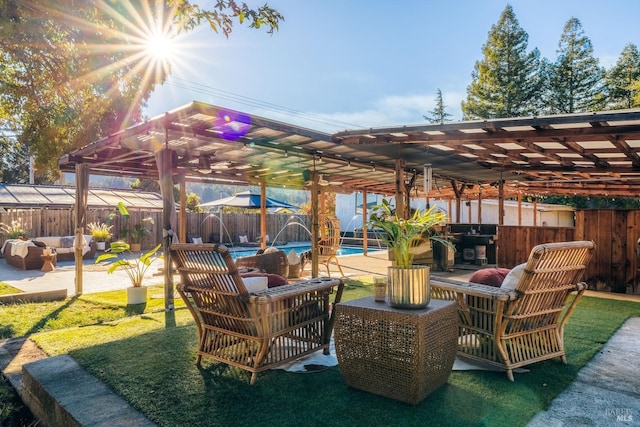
x,y
246,200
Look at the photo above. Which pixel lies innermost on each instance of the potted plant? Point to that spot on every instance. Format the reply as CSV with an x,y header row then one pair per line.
x,y
122,257
408,284
136,236
14,230
100,232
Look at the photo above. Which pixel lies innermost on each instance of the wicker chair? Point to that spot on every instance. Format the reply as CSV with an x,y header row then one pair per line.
x,y
258,331
513,328
329,243
272,263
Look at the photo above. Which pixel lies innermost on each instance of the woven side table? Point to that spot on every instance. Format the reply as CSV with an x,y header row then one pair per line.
x,y
396,353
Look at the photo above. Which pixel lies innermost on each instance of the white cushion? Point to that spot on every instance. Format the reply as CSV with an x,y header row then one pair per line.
x,y
513,277
52,241
197,240
244,239
88,238
255,284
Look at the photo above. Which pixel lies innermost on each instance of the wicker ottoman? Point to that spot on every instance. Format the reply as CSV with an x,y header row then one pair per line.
x,y
400,354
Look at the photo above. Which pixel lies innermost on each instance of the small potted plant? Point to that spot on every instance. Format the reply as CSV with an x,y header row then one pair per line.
x,y
121,257
14,230
136,236
408,284
100,232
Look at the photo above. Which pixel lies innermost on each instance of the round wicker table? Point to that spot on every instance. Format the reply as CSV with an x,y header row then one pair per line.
x,y
397,353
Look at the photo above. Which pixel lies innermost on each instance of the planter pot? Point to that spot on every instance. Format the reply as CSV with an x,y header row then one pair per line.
x,y
409,287
136,295
101,246
135,247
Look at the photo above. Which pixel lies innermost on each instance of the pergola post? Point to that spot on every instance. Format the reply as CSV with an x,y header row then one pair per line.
x,y
315,223
164,162
263,214
365,230
80,213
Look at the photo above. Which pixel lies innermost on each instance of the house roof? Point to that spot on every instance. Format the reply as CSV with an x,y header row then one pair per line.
x,y
586,153
52,196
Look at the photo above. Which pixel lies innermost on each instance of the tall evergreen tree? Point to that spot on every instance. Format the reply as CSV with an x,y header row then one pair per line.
x,y
507,82
622,78
438,114
576,79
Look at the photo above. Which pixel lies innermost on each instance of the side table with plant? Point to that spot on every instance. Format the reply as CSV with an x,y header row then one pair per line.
x,y
408,283
121,257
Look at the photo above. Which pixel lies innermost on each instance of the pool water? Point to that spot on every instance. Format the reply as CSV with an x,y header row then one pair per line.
x,y
237,252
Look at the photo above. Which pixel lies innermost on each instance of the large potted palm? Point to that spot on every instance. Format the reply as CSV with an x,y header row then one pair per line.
x,y
408,283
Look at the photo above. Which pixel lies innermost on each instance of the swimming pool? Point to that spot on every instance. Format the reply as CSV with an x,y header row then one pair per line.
x,y
238,251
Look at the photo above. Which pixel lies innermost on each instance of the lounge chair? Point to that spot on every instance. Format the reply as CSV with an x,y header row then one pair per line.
x,y
256,331
511,328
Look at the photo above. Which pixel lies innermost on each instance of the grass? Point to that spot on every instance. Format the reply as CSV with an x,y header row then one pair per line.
x,y
147,357
6,289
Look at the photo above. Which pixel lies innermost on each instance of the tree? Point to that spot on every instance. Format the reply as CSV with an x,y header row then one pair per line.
x,y
71,75
193,203
438,114
507,82
622,79
576,79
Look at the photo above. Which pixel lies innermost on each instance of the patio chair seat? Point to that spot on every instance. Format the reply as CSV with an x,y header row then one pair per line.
x,y
511,328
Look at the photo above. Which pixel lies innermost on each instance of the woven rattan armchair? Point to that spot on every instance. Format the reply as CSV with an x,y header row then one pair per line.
x,y
272,262
513,328
329,243
258,331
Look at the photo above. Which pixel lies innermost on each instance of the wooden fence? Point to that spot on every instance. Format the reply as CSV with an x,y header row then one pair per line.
x,y
60,222
615,233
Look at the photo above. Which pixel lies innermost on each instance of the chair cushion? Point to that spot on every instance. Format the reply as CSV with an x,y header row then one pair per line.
x,y
67,242
273,280
490,276
511,280
255,283
197,240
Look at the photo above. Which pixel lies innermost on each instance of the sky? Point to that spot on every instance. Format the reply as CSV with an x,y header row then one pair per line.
x,y
336,64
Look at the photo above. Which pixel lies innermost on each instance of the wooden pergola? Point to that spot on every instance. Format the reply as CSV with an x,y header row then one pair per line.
x,y
582,154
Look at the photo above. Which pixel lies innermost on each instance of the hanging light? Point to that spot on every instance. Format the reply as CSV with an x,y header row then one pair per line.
x,y
204,166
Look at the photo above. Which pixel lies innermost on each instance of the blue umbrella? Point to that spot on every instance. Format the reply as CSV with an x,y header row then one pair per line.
x,y
246,200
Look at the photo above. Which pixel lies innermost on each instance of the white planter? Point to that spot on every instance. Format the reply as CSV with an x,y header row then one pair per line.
x,y
136,295
409,287
101,246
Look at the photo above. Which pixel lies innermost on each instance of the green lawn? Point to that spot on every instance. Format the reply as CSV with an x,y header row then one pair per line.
x,y
147,357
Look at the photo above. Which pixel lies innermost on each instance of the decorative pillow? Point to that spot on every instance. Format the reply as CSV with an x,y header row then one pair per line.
x,y
197,240
66,242
255,283
39,244
489,276
243,239
293,257
88,238
511,280
273,280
